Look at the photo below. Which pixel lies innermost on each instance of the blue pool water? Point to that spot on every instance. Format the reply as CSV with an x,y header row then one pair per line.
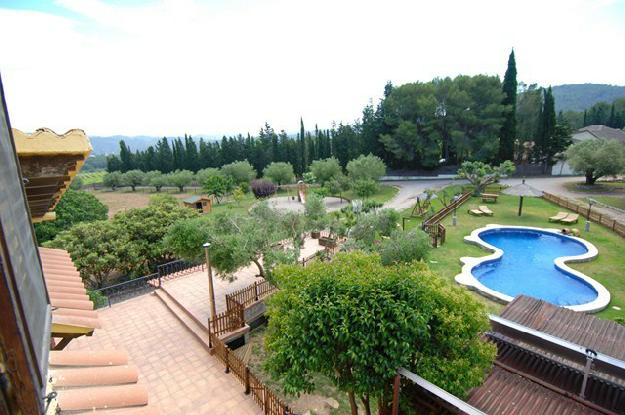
x,y
527,266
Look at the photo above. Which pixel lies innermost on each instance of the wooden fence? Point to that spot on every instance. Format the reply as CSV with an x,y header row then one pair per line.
x,y
616,226
262,395
227,321
249,294
432,225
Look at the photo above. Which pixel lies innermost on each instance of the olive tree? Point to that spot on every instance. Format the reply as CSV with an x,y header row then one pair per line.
x,y
356,321
237,240
280,173
112,180
597,158
325,170
133,178
366,168
180,179
481,174
240,172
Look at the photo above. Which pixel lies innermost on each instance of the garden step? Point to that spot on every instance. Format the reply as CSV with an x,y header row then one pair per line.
x,y
199,331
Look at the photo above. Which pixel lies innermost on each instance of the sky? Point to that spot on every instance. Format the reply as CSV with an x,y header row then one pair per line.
x,y
170,67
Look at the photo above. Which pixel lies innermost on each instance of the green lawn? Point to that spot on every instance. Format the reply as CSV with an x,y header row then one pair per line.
x,y
607,268
614,201
383,195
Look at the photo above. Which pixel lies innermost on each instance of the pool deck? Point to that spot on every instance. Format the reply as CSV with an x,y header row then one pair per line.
x,y
467,278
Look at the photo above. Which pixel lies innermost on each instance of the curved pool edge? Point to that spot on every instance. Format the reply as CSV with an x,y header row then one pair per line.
x,y
467,279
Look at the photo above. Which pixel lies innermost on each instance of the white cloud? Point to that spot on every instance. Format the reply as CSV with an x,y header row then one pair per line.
x,y
172,67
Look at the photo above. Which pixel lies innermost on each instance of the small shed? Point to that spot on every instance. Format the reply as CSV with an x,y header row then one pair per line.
x,y
202,204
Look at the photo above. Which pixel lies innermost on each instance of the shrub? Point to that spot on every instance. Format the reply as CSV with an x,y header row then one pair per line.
x,y
404,247
263,188
325,170
365,188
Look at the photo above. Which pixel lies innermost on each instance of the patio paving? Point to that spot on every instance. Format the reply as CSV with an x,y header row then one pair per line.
x,y
181,377
191,290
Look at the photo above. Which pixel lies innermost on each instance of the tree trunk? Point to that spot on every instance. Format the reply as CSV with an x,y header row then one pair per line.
x,y
352,402
132,187
181,188
365,401
590,178
261,270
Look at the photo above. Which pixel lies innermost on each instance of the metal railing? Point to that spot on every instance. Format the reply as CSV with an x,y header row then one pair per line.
x,y
125,290
112,294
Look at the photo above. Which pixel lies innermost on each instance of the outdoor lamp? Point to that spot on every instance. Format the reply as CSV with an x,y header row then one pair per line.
x,y
210,281
587,225
454,218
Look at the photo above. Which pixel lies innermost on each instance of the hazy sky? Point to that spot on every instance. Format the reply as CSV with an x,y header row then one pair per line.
x,y
210,67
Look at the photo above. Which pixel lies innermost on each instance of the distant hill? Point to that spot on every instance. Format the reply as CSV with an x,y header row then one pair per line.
x,y
110,144
578,97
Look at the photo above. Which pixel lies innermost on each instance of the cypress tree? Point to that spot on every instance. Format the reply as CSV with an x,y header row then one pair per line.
x,y
507,133
585,116
126,157
303,145
612,119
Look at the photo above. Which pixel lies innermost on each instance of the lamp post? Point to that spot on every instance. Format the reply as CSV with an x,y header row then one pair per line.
x,y
587,225
454,218
210,280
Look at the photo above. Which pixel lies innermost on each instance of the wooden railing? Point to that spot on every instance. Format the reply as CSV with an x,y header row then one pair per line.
x,y
432,225
582,209
227,321
262,395
249,294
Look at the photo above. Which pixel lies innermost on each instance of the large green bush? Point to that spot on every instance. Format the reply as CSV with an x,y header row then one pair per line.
x,y
74,207
356,321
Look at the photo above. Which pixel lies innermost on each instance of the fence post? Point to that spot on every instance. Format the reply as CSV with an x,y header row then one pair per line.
x,y
256,290
266,407
247,380
227,352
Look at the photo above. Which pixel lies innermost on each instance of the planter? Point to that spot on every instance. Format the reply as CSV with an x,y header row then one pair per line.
x,y
315,234
327,242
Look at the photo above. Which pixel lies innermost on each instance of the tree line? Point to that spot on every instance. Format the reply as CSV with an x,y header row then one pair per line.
x,y
418,125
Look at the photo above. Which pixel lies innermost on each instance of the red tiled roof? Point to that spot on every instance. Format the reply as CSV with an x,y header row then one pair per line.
x,y
97,381
505,392
70,303
603,336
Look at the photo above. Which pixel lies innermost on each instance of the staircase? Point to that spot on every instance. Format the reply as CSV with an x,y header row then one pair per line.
x,y
188,320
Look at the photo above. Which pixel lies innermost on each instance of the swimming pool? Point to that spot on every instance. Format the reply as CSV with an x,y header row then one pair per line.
x,y
531,261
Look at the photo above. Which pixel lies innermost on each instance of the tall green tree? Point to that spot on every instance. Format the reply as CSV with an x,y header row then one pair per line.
x,y
126,157
74,207
356,321
507,133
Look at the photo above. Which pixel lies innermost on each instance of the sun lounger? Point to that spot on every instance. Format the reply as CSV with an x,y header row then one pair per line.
x,y
475,212
485,210
558,217
570,218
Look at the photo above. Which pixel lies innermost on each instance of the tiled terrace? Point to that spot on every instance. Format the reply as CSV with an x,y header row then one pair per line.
x,y
191,291
181,377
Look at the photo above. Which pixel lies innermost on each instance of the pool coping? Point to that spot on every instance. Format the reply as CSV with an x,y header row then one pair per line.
x,y
467,279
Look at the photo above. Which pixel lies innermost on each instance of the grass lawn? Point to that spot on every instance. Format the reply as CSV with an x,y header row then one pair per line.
x,y
383,195
614,201
607,268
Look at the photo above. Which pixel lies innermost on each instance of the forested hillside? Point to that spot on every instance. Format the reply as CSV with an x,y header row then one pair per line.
x,y
579,97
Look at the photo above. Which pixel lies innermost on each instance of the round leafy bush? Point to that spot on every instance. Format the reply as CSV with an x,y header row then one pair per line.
x,y
263,188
